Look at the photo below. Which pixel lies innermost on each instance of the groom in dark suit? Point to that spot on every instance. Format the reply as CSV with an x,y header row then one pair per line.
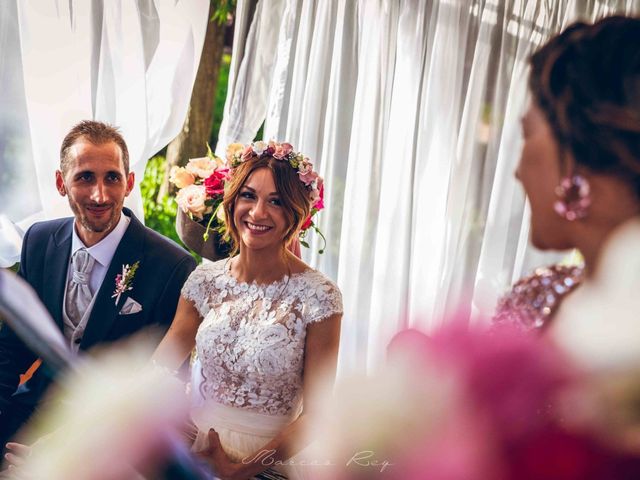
x,y
74,265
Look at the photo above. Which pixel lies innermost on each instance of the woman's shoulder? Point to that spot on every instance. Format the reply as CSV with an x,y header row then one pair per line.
x,y
320,295
208,268
535,298
317,278
204,274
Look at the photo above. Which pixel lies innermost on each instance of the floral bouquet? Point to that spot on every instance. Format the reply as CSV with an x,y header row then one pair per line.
x,y
202,181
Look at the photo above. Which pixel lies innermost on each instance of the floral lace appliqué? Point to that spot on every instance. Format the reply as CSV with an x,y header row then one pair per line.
x,y
251,339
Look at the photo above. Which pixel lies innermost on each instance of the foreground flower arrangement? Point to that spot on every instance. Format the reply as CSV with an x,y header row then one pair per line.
x,y
475,405
202,181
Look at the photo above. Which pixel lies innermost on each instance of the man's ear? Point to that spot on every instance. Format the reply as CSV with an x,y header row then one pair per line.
x,y
62,190
131,180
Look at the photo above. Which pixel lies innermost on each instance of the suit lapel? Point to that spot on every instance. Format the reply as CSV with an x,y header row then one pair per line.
x,y
105,310
55,269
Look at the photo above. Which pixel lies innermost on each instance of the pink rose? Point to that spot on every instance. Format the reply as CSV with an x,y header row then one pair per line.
x,y
317,196
305,166
180,177
307,223
308,178
191,200
282,150
247,154
214,185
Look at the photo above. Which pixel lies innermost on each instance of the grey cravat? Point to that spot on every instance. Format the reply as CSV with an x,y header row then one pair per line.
x,y
78,292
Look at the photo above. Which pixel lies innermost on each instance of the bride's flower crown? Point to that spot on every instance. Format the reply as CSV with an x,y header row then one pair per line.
x,y
202,182
238,153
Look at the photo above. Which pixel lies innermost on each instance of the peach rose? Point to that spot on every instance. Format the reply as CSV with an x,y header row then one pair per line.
x,y
201,167
180,177
191,200
233,150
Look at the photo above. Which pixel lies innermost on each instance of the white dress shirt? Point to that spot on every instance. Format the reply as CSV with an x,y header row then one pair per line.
x,y
102,252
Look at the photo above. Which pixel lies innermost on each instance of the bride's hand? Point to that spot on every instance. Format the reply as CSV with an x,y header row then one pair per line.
x,y
19,453
215,456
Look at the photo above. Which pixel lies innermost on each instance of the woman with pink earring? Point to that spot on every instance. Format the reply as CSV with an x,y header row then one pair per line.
x,y
580,163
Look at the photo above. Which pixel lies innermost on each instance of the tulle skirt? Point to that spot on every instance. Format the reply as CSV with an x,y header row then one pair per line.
x,y
243,434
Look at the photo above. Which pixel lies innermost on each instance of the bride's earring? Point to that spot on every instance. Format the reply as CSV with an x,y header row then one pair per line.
x,y
574,198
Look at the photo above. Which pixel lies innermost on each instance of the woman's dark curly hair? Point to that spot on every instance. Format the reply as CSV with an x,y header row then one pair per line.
x,y
586,80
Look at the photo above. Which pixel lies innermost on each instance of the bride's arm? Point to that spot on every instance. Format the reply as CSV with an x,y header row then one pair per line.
x,y
320,360
180,338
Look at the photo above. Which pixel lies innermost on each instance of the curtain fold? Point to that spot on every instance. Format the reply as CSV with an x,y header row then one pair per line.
x,y
131,64
411,111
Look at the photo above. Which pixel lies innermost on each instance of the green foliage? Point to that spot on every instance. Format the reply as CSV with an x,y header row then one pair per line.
x,y
160,217
221,96
222,10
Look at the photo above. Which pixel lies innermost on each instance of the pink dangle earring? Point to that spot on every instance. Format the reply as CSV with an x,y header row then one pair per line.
x,y
574,197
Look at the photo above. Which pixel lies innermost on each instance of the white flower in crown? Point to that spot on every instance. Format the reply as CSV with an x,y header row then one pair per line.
x,y
259,147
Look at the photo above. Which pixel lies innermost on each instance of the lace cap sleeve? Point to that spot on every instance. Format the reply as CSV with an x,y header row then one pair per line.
x,y
324,298
200,284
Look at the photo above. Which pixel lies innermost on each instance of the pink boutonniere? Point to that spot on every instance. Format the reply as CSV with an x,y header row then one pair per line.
x,y
124,280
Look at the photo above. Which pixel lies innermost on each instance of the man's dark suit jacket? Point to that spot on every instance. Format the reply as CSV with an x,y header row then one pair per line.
x,y
46,248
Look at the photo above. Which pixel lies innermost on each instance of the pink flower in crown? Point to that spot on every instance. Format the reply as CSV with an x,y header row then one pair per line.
x,y
317,196
308,178
306,173
305,166
282,150
247,154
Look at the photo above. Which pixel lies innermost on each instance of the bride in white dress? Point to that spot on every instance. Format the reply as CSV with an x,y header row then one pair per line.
x,y
264,324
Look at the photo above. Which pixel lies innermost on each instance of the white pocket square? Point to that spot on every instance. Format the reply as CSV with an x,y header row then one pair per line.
x,y
130,306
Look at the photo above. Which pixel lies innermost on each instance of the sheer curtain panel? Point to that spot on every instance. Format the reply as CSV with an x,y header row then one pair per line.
x,y
411,111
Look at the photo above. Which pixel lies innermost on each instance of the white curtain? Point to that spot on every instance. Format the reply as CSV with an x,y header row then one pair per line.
x,y
129,63
411,111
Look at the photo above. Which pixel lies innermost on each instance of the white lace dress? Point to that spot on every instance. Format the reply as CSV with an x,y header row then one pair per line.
x,y
250,349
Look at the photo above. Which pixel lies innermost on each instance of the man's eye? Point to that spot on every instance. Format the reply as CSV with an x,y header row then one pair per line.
x,y
85,177
113,178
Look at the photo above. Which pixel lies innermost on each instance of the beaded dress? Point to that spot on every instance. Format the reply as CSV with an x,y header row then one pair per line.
x,y
533,300
250,348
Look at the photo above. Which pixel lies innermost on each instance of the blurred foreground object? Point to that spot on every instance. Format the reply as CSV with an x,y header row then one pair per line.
x,y
22,310
111,414
473,405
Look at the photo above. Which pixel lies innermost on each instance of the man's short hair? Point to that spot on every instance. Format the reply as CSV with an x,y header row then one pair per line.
x,y
97,133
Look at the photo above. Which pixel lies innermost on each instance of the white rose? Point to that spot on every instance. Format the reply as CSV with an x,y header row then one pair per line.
x,y
259,147
191,200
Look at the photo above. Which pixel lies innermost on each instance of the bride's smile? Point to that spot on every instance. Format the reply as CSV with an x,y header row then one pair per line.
x,y
258,212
